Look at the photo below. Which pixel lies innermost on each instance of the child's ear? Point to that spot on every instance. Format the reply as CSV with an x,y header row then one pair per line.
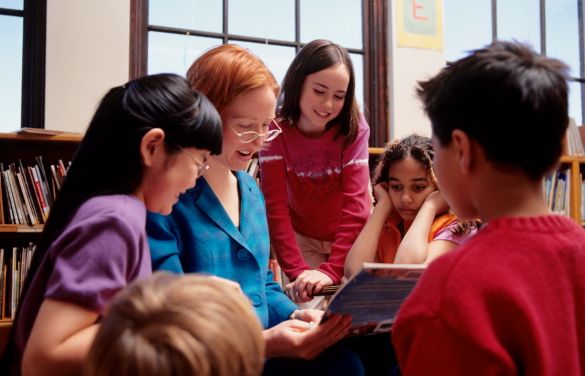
x,y
463,150
153,142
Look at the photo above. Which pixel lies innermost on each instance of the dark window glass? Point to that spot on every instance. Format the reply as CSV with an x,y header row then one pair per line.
x,y
468,26
187,14
174,53
11,37
270,19
520,20
339,21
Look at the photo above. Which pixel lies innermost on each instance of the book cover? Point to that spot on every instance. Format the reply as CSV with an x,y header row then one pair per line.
x,y
374,295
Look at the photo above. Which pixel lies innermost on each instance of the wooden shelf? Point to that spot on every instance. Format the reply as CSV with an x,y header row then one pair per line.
x,y
26,137
21,228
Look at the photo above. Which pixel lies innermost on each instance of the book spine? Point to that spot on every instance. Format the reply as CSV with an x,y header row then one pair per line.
x,y
27,194
26,205
9,199
39,192
44,179
44,187
16,197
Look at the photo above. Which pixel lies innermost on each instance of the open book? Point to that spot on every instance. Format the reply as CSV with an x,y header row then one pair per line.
x,y
373,296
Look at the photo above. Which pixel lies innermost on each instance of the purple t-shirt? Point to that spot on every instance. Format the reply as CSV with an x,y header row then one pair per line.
x,y
101,250
446,233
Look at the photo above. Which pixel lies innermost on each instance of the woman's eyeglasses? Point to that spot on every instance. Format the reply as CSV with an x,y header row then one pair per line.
x,y
251,136
201,167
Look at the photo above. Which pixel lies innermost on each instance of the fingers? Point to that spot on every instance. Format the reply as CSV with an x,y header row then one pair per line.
x,y
324,335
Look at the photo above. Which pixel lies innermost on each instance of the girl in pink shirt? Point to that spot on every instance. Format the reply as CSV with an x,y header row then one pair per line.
x,y
315,175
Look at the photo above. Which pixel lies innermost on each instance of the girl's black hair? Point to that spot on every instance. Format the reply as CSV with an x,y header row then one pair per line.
x,y
421,150
314,57
108,159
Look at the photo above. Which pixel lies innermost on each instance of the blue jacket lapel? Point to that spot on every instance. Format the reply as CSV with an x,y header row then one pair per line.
x,y
209,204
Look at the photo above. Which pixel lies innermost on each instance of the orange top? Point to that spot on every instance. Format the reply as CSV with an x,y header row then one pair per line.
x,y
390,237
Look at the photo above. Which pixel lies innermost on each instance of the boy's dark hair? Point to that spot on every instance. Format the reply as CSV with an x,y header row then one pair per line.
x,y
108,160
314,57
507,98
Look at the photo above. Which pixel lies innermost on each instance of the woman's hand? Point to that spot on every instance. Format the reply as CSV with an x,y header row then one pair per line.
x,y
305,340
436,201
308,283
381,195
307,315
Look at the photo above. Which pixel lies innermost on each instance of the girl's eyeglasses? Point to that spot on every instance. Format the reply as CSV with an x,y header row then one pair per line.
x,y
251,136
201,167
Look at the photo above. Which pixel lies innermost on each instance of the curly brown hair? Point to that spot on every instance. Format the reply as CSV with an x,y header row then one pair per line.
x,y
421,150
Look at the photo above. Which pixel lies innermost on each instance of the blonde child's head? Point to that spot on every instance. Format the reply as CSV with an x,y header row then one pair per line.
x,y
178,325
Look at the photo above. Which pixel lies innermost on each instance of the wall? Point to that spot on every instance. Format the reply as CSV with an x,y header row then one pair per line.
x,y
87,53
407,66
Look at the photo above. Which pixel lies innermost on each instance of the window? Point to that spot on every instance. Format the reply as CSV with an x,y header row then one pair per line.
x,y
552,27
169,34
11,38
22,66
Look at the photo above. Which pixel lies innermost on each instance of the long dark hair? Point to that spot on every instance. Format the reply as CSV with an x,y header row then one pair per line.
x,y
314,57
108,160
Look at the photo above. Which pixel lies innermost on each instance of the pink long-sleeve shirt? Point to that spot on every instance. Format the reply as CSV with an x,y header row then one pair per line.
x,y
317,188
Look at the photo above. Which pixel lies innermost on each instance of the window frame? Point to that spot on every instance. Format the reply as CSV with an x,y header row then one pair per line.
x,y
375,52
34,16
543,44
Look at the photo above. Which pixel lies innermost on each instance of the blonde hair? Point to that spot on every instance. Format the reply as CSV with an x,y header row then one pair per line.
x,y
178,325
226,71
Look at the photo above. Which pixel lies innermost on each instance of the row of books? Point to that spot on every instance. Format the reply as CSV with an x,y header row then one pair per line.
x,y
14,266
557,192
574,141
28,192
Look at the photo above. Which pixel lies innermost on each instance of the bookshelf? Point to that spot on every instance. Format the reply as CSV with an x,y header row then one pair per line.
x,y
24,147
576,167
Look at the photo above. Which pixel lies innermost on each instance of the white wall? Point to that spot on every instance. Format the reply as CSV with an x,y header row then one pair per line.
x,y
407,66
87,53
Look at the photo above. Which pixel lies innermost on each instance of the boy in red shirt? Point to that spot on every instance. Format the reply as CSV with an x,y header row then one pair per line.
x,y
512,299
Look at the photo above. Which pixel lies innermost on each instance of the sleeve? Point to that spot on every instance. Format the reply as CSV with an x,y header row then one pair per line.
x,y
428,346
93,262
356,203
164,243
447,233
280,307
273,183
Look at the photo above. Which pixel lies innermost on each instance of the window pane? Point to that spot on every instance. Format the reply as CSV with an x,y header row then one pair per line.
x,y
562,32
575,109
339,21
271,19
358,68
174,53
520,20
204,15
468,26
276,58
11,34
12,4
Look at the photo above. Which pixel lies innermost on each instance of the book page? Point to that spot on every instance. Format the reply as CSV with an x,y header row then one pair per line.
x,y
374,295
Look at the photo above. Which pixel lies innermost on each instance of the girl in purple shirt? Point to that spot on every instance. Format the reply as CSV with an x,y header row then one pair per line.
x,y
146,144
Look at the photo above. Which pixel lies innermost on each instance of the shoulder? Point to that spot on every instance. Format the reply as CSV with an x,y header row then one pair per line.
x,y
117,207
363,126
